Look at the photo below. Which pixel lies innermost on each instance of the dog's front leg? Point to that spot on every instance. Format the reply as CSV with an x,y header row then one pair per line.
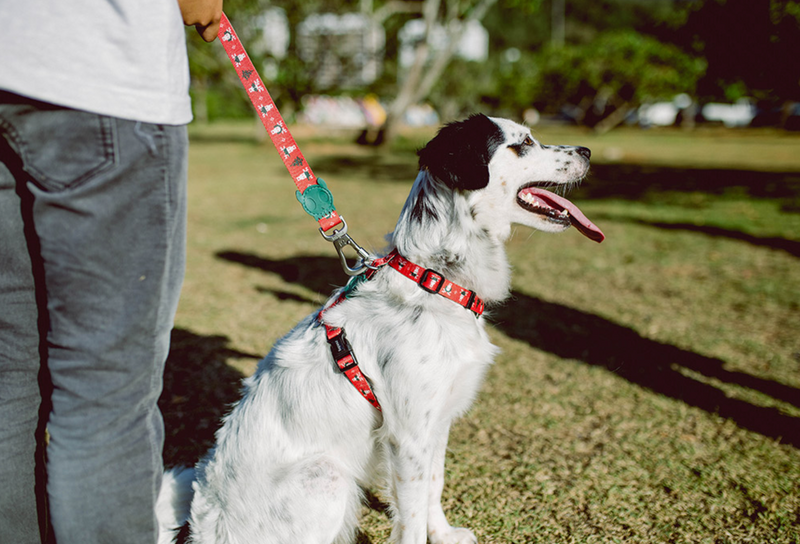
x,y
439,530
411,472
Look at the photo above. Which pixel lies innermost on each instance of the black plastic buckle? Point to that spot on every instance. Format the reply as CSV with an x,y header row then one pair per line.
x,y
340,348
424,278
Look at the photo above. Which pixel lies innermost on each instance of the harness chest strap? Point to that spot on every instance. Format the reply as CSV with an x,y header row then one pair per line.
x,y
427,279
344,357
346,361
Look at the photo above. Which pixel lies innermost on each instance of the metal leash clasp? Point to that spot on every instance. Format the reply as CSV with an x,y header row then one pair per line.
x,y
340,240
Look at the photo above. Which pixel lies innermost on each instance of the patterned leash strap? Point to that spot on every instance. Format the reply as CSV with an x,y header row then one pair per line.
x,y
312,192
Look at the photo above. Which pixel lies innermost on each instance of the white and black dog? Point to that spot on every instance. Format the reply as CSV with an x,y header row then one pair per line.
x,y
294,454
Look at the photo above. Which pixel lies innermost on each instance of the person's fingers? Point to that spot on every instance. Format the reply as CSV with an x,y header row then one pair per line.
x,y
208,33
204,15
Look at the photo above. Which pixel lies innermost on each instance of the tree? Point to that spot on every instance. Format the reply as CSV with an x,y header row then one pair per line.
x,y
428,66
751,47
613,75
523,51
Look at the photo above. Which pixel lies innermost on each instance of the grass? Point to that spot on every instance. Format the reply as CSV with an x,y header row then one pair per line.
x,y
648,387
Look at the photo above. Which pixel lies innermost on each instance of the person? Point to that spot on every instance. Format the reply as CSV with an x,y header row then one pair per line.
x,y
93,165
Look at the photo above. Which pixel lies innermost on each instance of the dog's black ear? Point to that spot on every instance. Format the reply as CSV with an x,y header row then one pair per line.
x,y
460,153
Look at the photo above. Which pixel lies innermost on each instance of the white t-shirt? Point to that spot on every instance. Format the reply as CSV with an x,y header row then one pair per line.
x,y
123,58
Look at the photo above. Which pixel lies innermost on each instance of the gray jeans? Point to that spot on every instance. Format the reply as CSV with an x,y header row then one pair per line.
x,y
92,255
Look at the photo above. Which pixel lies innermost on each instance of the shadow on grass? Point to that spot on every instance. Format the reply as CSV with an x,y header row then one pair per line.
x,y
637,182
679,186
320,274
373,502
792,247
199,388
573,334
376,167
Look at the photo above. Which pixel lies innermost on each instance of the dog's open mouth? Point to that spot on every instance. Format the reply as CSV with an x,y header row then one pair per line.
x,y
557,209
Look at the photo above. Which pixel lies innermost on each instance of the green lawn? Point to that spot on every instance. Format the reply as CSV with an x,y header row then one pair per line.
x,y
648,388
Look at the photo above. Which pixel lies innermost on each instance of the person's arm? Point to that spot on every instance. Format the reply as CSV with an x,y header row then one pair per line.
x,y
204,15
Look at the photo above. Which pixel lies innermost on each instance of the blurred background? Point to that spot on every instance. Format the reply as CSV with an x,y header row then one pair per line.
x,y
648,388
380,64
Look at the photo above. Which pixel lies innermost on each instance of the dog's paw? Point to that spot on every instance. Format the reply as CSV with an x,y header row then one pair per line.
x,y
453,535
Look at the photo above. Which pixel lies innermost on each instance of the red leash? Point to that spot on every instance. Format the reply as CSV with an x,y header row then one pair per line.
x,y
312,192
317,201
272,120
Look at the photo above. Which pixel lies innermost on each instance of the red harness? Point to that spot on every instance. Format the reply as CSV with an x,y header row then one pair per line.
x,y
317,201
428,279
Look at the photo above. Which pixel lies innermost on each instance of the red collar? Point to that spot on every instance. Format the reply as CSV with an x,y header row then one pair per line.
x,y
432,281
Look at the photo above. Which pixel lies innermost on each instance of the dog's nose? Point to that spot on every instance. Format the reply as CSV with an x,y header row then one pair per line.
x,y
585,151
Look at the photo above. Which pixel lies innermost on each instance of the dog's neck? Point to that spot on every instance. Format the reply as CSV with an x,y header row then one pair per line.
x,y
437,230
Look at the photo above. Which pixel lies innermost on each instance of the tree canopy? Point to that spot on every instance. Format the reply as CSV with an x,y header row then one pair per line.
x,y
751,47
615,53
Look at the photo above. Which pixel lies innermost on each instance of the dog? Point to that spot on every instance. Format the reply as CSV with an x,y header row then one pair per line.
x,y
294,454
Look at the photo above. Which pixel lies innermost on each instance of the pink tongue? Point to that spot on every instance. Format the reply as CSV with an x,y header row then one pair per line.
x,y
579,221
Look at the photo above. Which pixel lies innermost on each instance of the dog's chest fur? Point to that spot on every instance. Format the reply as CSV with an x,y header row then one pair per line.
x,y
293,453
418,349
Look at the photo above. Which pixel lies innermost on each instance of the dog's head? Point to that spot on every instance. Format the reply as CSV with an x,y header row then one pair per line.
x,y
507,174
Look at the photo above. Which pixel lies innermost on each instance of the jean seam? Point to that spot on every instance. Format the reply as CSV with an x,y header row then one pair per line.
x,y
159,144
108,143
12,135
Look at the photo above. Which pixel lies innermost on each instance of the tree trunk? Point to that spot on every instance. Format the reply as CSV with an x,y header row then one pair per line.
x,y
558,23
614,119
406,95
419,82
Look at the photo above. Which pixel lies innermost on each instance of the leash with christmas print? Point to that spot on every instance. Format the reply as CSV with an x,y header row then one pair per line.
x,y
312,192
317,201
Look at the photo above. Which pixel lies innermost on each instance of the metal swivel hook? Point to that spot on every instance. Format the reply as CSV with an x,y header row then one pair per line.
x,y
340,240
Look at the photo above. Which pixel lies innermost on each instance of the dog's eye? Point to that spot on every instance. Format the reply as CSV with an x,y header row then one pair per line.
x,y
522,147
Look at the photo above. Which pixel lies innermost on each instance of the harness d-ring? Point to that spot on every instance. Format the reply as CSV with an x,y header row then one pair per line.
x,y
340,240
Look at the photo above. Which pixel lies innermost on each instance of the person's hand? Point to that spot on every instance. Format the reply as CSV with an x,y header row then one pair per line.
x,y
204,15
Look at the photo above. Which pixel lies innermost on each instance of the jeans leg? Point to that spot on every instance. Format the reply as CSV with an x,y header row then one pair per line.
x,y
109,213
21,428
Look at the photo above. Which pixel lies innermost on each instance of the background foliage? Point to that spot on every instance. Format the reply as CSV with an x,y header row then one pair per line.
x,y
647,389
616,53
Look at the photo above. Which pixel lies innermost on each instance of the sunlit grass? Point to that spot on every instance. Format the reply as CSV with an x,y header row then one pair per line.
x,y
648,388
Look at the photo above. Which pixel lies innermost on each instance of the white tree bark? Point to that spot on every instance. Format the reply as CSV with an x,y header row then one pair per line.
x,y
424,72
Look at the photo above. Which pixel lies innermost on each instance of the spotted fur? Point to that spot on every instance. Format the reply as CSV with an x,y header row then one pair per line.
x,y
294,454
